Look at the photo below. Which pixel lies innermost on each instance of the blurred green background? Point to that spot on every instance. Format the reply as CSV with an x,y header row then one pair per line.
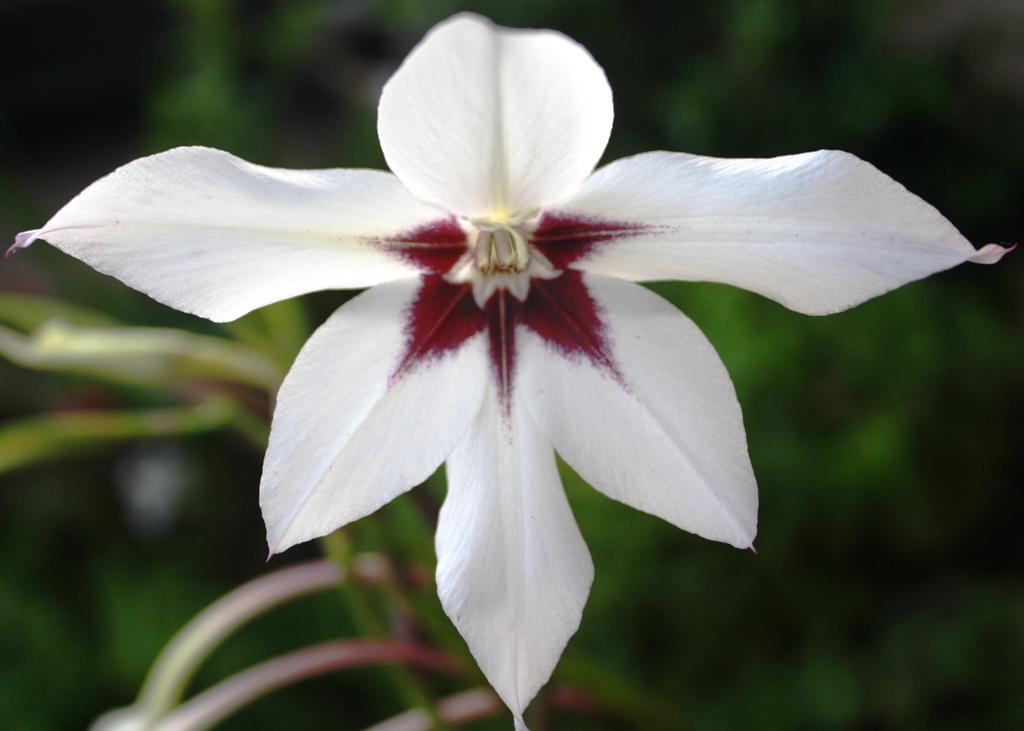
x,y
888,587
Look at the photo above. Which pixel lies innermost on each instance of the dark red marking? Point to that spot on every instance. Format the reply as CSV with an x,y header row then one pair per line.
x,y
565,239
502,309
560,310
433,248
441,318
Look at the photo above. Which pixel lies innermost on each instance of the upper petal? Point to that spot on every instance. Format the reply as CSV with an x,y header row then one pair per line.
x,y
357,423
818,232
205,232
483,120
657,428
513,572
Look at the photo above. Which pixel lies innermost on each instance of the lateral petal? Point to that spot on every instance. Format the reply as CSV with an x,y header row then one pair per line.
x,y
662,432
819,232
483,120
208,233
352,429
513,571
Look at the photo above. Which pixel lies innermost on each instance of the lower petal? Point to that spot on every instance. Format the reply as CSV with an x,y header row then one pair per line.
x,y
513,571
661,430
355,425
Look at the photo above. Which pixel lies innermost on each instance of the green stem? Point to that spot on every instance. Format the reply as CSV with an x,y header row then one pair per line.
x,y
469,705
336,546
66,434
163,687
216,703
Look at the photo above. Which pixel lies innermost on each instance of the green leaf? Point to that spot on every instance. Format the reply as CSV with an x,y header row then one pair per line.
x,y
278,330
62,435
27,312
140,355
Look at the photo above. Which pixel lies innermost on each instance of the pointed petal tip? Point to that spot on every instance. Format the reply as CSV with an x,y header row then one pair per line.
x,y
23,240
273,548
735,533
277,545
990,254
277,541
745,542
520,725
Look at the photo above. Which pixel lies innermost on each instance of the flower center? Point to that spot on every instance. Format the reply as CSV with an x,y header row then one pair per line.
x,y
499,255
501,248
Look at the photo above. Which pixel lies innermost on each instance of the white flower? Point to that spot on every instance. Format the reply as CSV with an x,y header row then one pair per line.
x,y
504,321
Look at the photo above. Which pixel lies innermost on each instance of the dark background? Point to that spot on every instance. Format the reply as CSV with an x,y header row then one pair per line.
x,y
888,588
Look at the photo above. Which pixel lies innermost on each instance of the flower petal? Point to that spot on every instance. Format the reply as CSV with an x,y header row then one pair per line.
x,y
205,232
818,232
663,433
349,429
483,120
513,571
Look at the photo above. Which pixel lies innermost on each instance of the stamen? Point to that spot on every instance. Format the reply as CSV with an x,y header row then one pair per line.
x,y
499,257
521,250
500,249
482,250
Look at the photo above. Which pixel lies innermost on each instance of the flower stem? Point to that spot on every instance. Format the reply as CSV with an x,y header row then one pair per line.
x,y
410,691
462,707
172,670
216,703
415,720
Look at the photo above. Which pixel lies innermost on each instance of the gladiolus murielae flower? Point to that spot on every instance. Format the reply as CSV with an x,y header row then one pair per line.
x,y
503,320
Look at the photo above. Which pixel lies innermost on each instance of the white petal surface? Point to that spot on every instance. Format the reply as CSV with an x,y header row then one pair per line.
x,y
348,434
483,120
205,232
664,434
513,572
818,232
